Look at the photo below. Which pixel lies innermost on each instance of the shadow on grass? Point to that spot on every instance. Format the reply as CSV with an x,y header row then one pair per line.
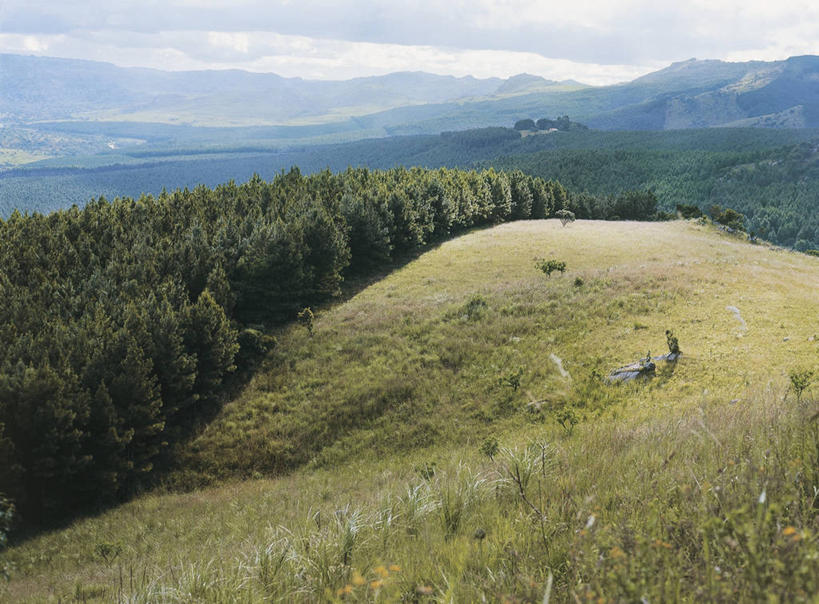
x,y
196,422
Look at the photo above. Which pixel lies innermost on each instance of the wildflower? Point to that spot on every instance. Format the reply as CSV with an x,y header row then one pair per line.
x,y
395,568
376,584
789,530
358,579
381,571
344,591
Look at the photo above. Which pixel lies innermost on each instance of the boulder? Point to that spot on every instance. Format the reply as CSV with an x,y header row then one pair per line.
x,y
644,367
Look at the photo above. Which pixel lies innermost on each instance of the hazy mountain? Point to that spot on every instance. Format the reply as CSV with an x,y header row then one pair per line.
x,y
36,88
696,94
70,103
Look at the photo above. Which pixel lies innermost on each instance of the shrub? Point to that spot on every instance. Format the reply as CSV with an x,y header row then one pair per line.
x,y
565,216
512,379
489,447
567,419
306,318
475,308
688,211
550,266
253,344
673,343
800,381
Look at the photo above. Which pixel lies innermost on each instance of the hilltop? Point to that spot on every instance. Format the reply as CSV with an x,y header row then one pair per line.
x,y
445,433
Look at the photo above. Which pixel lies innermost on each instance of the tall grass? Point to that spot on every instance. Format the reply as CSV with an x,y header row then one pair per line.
x,y
719,504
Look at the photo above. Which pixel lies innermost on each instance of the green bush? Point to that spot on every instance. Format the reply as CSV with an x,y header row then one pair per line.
x,y
550,266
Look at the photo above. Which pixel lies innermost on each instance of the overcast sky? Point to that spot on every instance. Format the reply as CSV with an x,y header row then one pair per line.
x,y
594,41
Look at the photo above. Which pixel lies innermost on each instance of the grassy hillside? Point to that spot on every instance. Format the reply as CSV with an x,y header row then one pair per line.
x,y
697,484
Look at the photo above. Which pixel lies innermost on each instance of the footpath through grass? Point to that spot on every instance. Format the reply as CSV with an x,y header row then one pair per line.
x,y
419,433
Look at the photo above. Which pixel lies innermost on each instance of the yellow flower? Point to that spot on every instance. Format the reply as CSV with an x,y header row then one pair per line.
x,y
395,568
376,584
789,530
358,579
345,591
381,571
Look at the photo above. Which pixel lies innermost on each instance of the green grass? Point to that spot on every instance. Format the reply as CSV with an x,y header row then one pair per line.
x,y
10,158
359,448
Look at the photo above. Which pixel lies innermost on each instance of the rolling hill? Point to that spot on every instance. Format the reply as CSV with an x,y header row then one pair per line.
x,y
456,439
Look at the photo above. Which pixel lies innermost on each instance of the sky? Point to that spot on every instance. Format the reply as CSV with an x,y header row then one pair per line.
x,y
593,41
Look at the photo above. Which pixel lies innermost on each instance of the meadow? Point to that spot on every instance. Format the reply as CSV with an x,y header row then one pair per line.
x,y
454,439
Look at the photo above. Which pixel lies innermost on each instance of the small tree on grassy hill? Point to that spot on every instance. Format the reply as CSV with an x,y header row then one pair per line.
x,y
673,343
565,216
550,266
800,381
306,318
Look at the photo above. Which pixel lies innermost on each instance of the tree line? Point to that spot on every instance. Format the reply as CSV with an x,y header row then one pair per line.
x,y
122,322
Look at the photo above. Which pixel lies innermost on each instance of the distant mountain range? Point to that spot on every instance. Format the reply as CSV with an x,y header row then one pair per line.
x,y
87,96
37,88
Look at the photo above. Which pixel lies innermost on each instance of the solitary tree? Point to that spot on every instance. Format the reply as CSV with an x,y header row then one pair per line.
x,y
565,216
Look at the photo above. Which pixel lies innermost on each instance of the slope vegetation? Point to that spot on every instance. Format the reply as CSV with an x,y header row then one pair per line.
x,y
448,436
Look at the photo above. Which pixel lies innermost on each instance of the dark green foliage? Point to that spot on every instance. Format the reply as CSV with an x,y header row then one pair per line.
x,y
672,341
567,419
253,344
561,123
687,211
490,447
526,124
512,379
728,217
305,317
550,266
800,381
475,308
565,216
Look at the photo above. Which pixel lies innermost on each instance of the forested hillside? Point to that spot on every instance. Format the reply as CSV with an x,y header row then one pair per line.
x,y
122,321
768,175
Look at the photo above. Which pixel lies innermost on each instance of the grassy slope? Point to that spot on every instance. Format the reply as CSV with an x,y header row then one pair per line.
x,y
397,377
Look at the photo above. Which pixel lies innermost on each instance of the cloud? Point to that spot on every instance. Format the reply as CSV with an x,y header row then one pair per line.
x,y
597,40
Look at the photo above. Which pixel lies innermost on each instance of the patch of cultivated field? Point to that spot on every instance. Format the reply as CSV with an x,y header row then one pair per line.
x,y
447,435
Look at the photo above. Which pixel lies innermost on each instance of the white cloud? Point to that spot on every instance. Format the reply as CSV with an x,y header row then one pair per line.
x,y
597,41
238,42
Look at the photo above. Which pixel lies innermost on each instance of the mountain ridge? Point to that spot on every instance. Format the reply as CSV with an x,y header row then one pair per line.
x,y
691,93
